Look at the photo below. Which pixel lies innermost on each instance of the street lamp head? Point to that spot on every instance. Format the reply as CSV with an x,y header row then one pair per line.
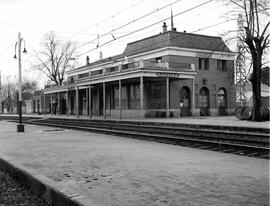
x,y
15,57
24,51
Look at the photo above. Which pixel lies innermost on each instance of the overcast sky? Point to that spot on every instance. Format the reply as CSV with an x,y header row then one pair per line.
x,y
82,20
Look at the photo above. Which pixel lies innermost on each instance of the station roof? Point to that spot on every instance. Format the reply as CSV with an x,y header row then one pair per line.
x,y
169,38
177,39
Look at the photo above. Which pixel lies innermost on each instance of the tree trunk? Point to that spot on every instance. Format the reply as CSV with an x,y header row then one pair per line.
x,y
256,87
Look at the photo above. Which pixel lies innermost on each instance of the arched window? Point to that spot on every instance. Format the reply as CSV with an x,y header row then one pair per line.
x,y
204,97
221,97
204,101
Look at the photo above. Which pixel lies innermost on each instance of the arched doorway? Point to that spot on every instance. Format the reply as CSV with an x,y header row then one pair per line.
x,y
222,101
204,101
185,101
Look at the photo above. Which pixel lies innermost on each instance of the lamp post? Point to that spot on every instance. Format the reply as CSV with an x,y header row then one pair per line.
x,y
20,126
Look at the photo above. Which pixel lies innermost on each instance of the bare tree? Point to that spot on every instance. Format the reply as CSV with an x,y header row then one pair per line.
x,y
55,57
29,85
8,92
256,38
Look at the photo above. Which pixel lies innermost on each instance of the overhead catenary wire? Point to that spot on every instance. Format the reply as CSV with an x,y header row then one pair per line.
x,y
116,42
199,14
131,37
182,12
104,20
130,22
213,25
160,42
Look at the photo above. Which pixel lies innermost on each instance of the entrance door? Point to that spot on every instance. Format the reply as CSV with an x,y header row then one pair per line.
x,y
204,101
222,102
185,99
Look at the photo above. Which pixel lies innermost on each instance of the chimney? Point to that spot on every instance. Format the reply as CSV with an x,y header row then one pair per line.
x,y
87,60
164,27
100,55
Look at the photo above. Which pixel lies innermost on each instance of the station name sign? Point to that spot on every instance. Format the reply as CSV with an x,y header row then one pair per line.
x,y
169,75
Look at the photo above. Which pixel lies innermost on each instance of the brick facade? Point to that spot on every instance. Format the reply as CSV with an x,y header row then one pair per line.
x,y
170,74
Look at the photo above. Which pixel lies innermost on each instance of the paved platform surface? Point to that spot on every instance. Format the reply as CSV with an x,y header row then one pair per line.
x,y
230,121
99,169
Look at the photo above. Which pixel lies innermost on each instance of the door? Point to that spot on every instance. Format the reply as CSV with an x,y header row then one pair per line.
x,y
222,101
185,101
204,101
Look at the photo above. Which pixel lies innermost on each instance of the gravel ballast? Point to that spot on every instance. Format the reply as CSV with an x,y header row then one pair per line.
x,y
12,192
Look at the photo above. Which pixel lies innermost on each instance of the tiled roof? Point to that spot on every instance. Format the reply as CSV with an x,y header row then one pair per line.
x,y
176,39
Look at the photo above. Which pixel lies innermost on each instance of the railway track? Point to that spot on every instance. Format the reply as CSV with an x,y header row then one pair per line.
x,y
240,141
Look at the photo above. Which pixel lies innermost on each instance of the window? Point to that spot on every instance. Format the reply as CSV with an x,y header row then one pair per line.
x,y
221,101
114,97
204,97
111,69
156,91
221,65
83,75
128,66
203,63
96,72
157,95
158,59
71,80
134,96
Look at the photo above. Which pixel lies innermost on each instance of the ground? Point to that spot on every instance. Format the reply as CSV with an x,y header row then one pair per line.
x,y
14,193
111,170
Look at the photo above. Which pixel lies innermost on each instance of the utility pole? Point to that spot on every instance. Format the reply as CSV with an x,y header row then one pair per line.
x,y
20,126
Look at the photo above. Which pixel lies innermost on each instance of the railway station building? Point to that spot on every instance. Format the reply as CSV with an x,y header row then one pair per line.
x,y
171,74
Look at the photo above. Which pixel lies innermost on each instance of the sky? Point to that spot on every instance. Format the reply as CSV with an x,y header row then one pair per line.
x,y
82,21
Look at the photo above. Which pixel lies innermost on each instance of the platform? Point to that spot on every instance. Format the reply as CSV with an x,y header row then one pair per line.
x,y
227,121
97,169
